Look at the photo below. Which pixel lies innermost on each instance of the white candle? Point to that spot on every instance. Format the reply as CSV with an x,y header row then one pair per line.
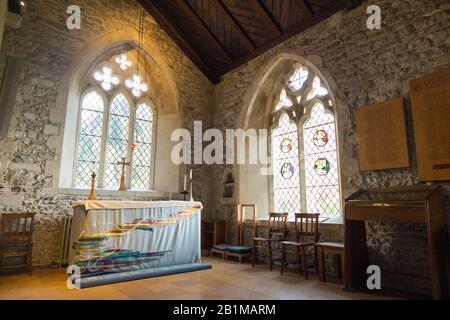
x,y
191,174
185,182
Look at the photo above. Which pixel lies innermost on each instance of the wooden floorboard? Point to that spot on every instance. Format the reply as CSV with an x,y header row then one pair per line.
x,y
227,280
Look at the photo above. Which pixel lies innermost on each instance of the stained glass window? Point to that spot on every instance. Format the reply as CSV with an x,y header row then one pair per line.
x,y
298,78
321,163
285,101
89,147
305,165
317,89
140,178
286,166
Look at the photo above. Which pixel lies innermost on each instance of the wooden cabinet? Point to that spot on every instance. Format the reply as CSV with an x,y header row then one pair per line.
x,y
213,233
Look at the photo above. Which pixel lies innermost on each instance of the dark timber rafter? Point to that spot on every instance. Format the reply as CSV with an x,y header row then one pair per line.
x,y
221,35
177,36
199,23
326,12
233,24
306,11
261,13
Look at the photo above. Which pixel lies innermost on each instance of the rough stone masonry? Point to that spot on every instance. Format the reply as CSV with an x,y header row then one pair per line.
x,y
48,48
367,67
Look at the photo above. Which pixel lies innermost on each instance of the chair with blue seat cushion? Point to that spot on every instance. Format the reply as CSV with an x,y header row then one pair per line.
x,y
220,249
240,251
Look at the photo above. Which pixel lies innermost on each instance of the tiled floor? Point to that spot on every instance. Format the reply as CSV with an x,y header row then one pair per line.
x,y
227,280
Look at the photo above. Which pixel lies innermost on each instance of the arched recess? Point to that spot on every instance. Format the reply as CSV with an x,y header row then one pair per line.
x,y
258,104
163,97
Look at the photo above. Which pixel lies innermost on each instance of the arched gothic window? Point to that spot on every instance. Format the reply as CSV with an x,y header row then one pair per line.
x,y
304,147
116,121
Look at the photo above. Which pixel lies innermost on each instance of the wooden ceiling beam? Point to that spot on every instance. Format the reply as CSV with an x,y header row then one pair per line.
x,y
351,4
231,21
200,24
327,12
261,12
178,37
305,10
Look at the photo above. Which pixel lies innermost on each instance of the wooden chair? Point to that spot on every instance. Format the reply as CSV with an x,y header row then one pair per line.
x,y
307,234
16,239
220,249
277,233
241,251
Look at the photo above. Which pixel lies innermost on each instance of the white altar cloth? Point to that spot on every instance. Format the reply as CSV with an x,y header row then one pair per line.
x,y
112,237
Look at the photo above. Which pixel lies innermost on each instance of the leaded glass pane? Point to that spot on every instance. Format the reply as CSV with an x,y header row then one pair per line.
x,y
91,126
321,163
317,89
140,177
117,144
298,78
286,167
285,101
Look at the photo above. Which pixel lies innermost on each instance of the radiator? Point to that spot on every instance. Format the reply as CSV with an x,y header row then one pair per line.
x,y
65,241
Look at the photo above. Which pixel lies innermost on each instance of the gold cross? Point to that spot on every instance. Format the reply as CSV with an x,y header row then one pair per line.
x,y
122,178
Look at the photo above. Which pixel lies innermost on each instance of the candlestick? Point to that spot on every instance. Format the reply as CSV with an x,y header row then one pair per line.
x,y
191,197
184,193
92,195
123,163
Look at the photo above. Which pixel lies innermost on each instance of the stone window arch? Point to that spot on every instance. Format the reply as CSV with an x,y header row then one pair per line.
x,y
117,119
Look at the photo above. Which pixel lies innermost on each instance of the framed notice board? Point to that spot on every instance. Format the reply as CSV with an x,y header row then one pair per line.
x,y
383,143
430,99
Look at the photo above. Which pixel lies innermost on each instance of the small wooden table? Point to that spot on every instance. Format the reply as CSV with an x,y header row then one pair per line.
x,y
324,248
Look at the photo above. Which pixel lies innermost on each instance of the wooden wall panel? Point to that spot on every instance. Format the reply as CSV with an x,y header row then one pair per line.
x,y
382,136
430,98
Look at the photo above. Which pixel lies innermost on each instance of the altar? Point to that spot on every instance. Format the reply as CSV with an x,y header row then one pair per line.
x,y
115,241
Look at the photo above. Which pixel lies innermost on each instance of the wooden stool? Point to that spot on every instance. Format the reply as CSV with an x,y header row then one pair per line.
x,y
324,248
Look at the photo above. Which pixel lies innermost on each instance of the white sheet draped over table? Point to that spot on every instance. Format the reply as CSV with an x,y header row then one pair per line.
x,y
118,236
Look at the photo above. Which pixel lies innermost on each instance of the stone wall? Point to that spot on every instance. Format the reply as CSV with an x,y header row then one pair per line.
x,y
367,67
48,48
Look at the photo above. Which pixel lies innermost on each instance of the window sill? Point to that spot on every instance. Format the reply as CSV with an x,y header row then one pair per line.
x,y
331,221
116,193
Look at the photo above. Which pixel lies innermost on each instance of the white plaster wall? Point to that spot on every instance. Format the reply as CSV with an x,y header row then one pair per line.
x,y
166,172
